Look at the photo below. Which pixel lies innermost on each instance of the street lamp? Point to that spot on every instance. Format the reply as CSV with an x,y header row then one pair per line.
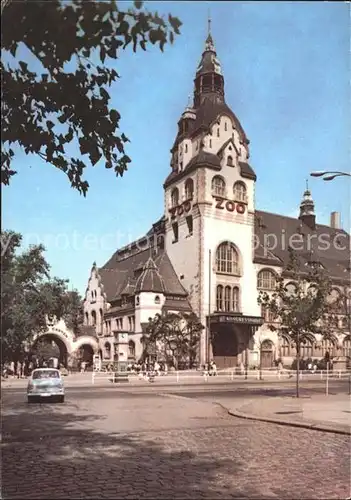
x,y
326,174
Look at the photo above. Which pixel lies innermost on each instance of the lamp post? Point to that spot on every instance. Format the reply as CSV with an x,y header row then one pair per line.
x,y
329,175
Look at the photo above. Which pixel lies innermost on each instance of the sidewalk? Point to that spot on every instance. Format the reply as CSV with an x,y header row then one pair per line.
x,y
326,413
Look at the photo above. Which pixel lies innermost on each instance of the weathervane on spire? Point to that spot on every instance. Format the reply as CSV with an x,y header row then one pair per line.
x,y
306,184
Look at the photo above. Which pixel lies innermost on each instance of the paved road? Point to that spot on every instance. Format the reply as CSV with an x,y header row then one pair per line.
x,y
154,444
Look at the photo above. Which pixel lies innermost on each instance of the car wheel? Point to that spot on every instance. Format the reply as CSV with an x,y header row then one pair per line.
x,y
31,400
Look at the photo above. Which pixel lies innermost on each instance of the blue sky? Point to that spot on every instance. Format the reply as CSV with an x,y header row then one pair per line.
x,y
286,70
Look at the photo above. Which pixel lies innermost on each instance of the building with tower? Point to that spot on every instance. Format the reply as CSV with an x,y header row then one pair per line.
x,y
212,250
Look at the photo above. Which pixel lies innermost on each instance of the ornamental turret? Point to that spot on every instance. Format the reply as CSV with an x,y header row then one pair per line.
x,y
209,80
307,213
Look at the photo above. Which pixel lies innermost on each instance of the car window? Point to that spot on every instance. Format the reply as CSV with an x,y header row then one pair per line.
x,y
46,374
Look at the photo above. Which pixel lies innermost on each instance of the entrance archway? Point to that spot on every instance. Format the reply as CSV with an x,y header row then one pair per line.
x,y
266,354
225,347
86,354
49,346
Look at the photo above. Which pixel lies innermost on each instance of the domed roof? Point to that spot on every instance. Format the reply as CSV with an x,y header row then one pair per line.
x,y
150,279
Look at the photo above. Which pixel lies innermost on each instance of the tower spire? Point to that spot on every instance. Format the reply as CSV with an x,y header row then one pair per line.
x,y
307,213
209,23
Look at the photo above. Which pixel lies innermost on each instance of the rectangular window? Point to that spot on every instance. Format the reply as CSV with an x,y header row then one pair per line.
x,y
175,232
189,221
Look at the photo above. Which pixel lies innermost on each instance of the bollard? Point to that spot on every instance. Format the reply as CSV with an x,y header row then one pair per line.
x,y
177,376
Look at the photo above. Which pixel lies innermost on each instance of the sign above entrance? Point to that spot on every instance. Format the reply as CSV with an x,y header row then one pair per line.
x,y
229,205
237,320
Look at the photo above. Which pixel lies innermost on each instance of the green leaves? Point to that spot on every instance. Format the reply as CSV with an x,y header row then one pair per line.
x,y
305,308
176,335
28,295
47,112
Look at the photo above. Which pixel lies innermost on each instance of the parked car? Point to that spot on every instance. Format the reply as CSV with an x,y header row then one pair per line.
x,y
45,383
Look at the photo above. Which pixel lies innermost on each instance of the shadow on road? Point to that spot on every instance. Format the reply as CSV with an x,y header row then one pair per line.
x,y
48,452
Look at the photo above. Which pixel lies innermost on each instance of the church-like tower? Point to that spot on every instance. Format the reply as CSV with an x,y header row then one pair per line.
x,y
209,199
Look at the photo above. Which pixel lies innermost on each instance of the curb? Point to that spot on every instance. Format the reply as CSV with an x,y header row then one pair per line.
x,y
290,423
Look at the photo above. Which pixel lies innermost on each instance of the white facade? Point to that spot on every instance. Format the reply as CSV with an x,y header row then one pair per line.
x,y
209,200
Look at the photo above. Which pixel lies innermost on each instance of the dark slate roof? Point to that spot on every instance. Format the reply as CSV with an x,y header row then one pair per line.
x,y
150,279
117,272
273,227
210,110
172,304
247,171
202,159
129,289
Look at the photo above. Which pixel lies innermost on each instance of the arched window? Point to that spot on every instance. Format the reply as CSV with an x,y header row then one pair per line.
x,y
290,289
186,148
218,186
225,126
346,346
227,298
157,299
266,280
218,132
285,346
219,298
137,300
239,190
267,314
101,317
175,197
86,318
227,259
93,318
107,353
329,345
230,161
235,299
131,349
189,189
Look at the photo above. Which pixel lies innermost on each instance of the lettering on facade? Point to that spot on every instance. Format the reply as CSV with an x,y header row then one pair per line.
x,y
246,320
57,330
229,205
184,208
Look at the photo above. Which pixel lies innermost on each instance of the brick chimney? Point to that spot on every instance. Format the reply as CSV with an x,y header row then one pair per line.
x,y
335,220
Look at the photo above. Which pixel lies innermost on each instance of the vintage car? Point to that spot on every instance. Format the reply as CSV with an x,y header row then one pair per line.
x,y
45,383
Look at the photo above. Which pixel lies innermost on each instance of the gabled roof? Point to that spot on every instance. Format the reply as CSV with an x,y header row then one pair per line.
x,y
275,233
202,159
117,273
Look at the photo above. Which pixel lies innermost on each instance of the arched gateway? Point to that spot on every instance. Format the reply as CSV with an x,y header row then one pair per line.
x,y
58,338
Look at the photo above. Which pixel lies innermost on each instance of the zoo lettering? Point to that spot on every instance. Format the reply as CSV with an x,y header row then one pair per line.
x,y
229,205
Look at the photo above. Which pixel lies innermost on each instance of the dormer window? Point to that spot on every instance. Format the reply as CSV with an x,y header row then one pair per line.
x,y
157,299
230,161
175,197
218,186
